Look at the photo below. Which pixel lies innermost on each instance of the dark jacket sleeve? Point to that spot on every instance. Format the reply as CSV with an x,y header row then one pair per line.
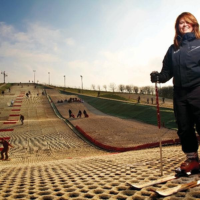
x,y
166,72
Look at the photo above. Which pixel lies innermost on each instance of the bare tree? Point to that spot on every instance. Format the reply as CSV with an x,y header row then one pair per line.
x,y
93,86
113,87
152,90
105,87
166,92
121,88
98,87
143,90
136,89
148,89
128,88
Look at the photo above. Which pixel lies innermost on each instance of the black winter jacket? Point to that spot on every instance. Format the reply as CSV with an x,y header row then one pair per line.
x,y
183,64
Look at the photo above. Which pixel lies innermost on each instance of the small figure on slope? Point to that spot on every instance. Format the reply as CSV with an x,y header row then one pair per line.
x,y
21,119
71,114
5,149
79,114
85,114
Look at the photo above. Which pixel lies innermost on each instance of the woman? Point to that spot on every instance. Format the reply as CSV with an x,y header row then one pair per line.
x,y
182,62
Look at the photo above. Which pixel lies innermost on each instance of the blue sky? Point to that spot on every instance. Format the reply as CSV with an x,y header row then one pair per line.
x,y
105,41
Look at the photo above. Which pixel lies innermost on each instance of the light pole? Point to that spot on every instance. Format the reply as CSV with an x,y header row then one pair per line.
x,y
49,77
82,82
34,75
64,80
4,76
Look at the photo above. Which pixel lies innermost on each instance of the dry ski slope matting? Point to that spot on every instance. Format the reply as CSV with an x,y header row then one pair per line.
x,y
49,161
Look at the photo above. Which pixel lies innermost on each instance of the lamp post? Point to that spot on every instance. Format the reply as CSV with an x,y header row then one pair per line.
x,y
49,77
64,80
34,75
4,76
81,82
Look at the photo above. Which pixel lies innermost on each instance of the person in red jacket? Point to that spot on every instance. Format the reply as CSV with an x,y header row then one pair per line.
x,y
5,150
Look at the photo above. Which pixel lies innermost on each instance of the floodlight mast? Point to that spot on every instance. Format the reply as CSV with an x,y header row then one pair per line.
x,y
4,76
81,82
49,77
34,75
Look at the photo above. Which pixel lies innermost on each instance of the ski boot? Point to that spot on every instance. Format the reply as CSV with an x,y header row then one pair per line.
x,y
188,166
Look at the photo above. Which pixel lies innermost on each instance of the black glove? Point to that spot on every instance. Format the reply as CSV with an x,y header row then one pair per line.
x,y
154,76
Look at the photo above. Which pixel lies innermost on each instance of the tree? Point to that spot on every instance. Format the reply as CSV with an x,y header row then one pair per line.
x,y
121,88
93,86
142,90
98,87
112,87
105,87
129,88
152,90
136,89
166,92
148,89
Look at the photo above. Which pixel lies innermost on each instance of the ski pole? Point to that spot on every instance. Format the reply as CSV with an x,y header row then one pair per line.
x,y
158,119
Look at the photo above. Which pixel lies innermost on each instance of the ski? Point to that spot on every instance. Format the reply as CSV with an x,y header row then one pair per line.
x,y
158,181
154,182
180,187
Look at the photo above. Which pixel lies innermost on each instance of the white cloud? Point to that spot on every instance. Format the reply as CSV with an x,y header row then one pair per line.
x,y
6,30
70,41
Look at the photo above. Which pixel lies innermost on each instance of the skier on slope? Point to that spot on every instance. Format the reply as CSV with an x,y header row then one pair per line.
x,y
5,150
182,62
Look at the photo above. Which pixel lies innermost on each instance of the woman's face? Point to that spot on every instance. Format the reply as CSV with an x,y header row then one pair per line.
x,y
185,27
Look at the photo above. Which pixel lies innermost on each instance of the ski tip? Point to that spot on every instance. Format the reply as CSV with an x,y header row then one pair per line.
x,y
165,192
160,193
134,185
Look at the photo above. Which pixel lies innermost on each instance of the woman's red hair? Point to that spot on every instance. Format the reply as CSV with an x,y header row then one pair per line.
x,y
189,18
